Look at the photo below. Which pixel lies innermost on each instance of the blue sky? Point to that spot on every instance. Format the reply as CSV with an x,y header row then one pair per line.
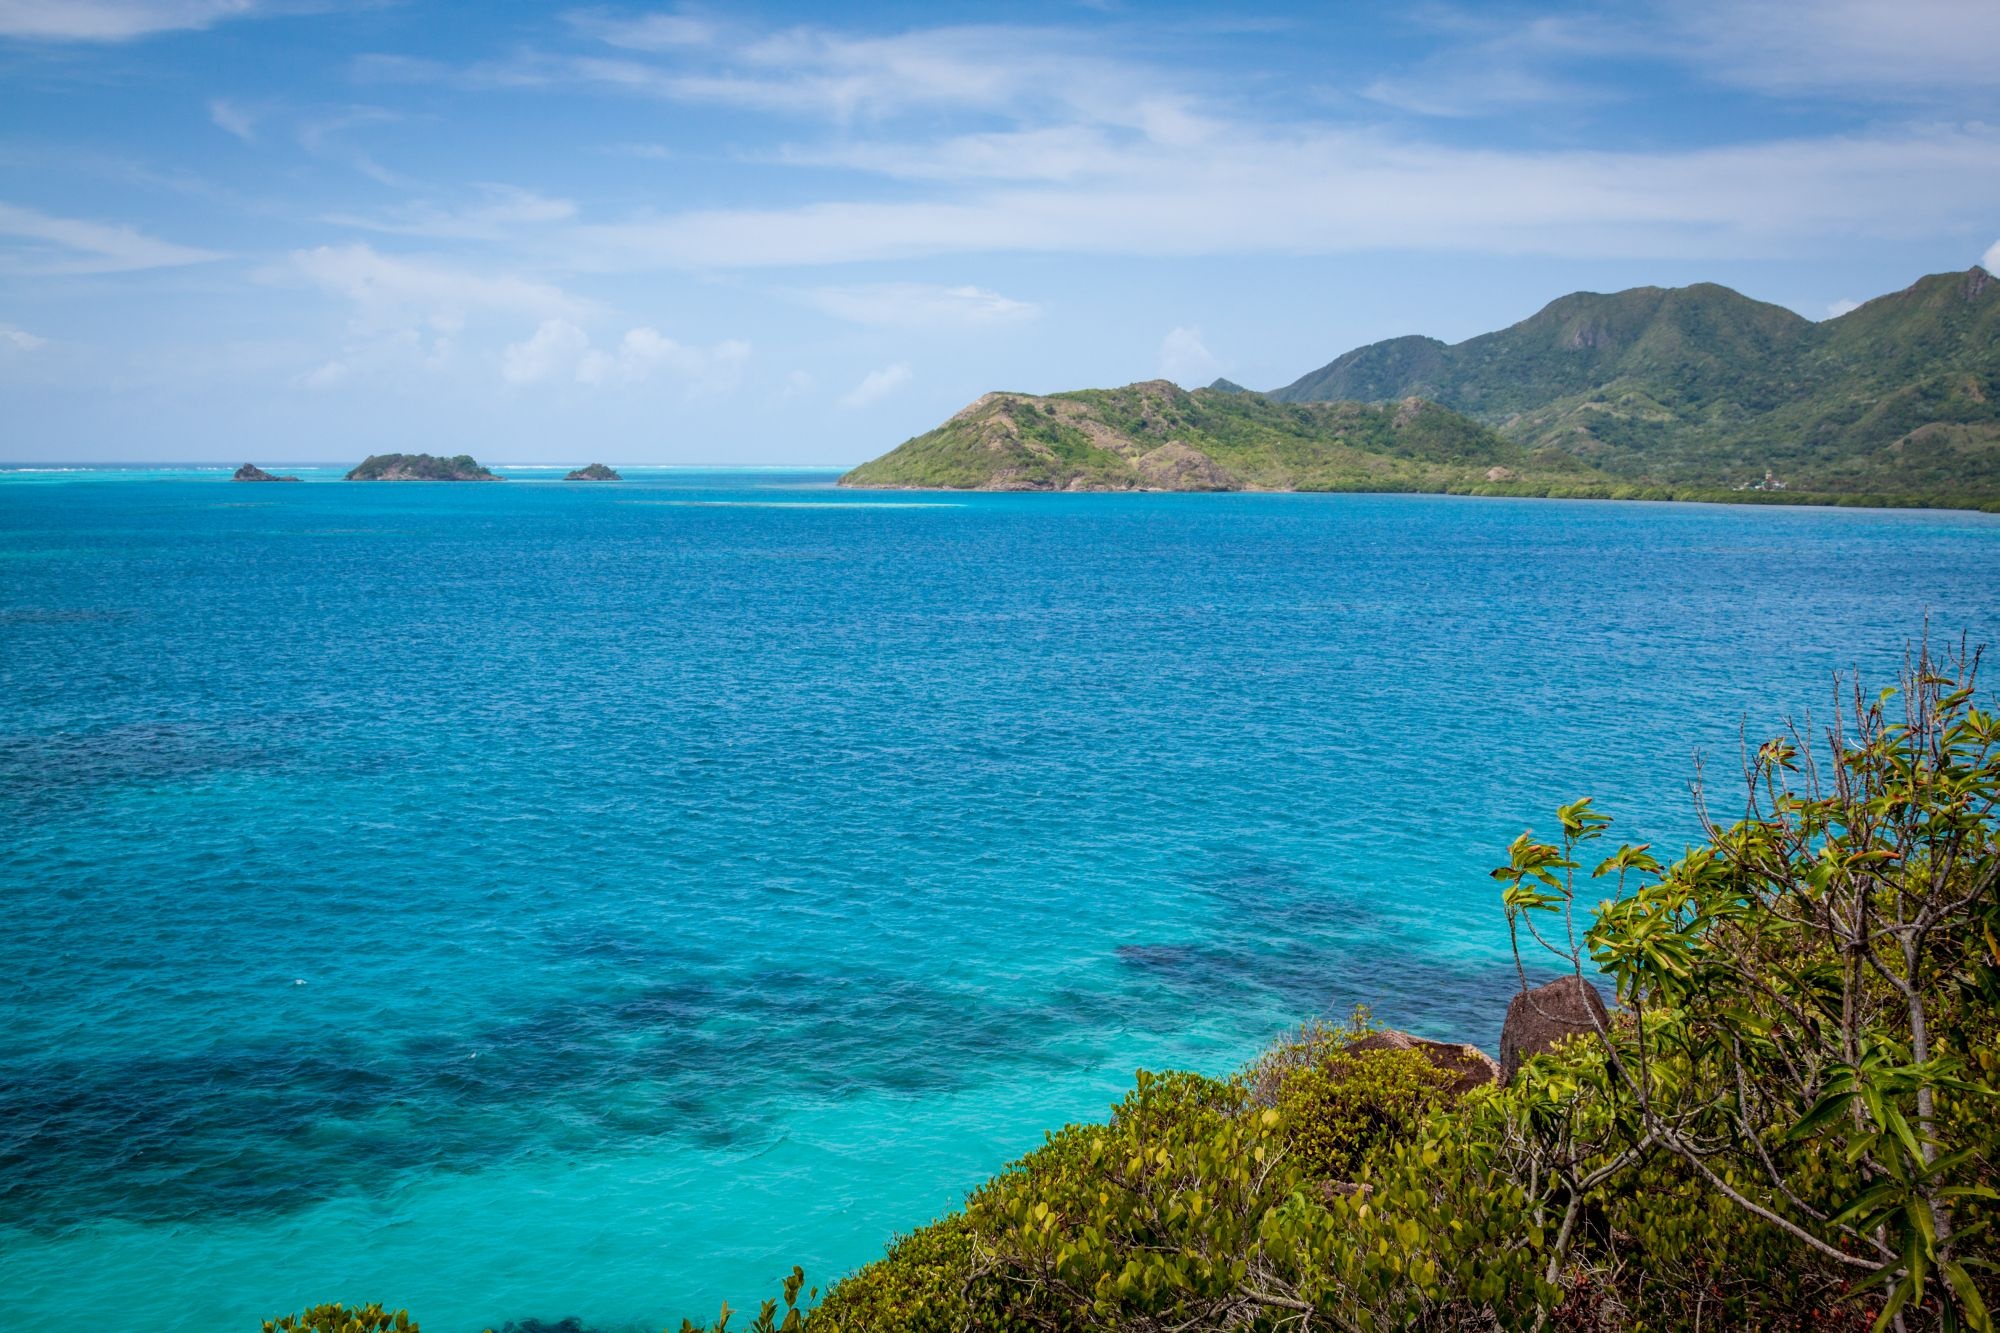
x,y
296,231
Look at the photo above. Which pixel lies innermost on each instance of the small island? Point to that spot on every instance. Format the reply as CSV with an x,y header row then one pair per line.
x,y
420,467
251,472
595,472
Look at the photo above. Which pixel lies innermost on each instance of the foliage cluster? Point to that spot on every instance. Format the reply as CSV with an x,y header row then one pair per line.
x,y
334,1317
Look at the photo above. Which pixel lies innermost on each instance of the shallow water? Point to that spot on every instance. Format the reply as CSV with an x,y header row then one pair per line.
x,y
532,902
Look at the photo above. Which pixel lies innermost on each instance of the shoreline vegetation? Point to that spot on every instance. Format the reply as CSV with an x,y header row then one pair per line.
x,y
1689,394
1788,1119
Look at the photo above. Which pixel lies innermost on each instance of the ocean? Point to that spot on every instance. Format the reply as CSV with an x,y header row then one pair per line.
x,y
541,902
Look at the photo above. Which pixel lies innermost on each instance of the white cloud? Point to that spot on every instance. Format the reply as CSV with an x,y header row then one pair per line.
x,y
1990,261
1838,308
1916,48
233,119
1098,153
20,340
400,289
555,344
652,32
326,138
326,375
877,385
53,245
559,349
915,305
1185,359
644,353
112,20
1499,63
501,210
1319,190
820,72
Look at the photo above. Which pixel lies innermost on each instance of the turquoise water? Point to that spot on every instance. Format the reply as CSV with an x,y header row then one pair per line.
x,y
536,902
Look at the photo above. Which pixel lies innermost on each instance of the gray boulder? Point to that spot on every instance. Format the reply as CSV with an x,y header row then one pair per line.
x,y
1468,1066
1540,1018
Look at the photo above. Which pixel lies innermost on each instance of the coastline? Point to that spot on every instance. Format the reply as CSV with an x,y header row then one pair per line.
x,y
1503,491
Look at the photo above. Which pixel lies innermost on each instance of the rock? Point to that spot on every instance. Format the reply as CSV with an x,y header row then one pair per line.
x,y
1540,1018
595,472
419,467
251,472
1470,1066
1177,467
1499,474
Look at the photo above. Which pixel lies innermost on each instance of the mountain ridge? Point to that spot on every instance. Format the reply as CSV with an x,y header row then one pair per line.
x,y
1704,385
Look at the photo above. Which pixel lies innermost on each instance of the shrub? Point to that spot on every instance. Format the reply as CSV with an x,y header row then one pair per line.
x,y
337,1318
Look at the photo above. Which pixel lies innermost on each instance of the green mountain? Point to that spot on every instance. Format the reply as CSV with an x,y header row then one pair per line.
x,y
1157,436
1703,387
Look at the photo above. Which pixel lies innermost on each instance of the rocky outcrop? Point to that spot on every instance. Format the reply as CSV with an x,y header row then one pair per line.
x,y
595,472
251,472
1176,467
1538,1019
1469,1066
419,467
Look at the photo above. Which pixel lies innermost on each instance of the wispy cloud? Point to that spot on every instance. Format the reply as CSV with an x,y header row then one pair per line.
x,y
327,138
19,340
1914,48
233,119
877,385
916,305
648,32
1489,63
500,211
49,245
398,289
1312,190
112,20
816,71
1990,261
1919,50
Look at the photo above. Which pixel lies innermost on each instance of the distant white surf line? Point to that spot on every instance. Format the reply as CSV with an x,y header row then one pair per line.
x,y
798,504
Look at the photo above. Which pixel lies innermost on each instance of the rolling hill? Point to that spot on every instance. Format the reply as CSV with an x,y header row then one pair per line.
x,y
1157,436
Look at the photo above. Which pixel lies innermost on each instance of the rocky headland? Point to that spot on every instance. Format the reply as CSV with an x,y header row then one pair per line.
x,y
251,472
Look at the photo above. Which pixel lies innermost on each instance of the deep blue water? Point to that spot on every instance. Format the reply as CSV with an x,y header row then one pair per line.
x,y
536,901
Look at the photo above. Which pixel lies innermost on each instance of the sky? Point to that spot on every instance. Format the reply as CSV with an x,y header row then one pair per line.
x,y
295,231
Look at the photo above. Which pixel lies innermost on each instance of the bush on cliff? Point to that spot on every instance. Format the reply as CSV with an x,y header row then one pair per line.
x,y
1791,1122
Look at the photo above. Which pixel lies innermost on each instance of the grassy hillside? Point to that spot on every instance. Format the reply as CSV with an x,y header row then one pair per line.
x,y
1701,386
1157,436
